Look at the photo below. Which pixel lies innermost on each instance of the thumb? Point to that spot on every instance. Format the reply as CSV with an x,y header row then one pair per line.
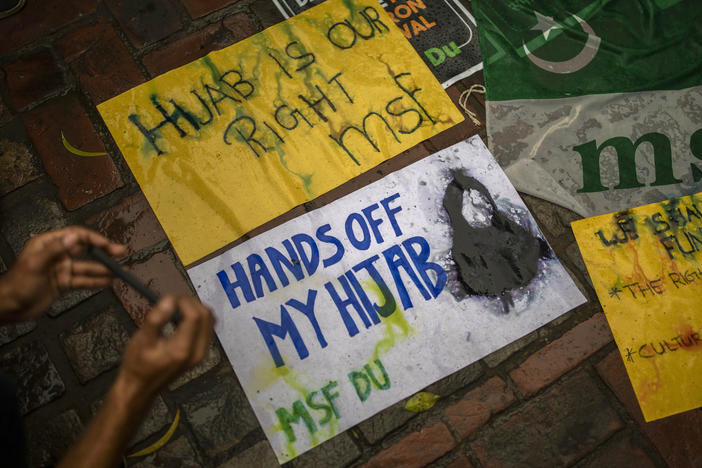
x,y
159,315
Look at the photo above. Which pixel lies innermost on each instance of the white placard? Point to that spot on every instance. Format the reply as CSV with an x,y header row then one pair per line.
x,y
339,313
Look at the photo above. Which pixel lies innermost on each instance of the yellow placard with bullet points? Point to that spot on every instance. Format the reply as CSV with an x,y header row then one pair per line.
x,y
646,267
232,140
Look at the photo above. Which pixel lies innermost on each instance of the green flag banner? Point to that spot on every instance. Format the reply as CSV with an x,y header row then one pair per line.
x,y
595,105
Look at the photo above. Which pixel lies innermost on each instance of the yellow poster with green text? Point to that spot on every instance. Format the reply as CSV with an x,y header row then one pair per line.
x,y
646,266
242,135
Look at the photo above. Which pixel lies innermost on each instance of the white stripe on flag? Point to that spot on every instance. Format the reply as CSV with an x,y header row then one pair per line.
x,y
534,142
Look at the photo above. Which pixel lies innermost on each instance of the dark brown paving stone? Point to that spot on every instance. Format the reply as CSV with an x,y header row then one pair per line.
x,y
95,345
260,454
622,452
132,222
554,429
147,21
101,61
69,300
220,416
38,19
12,331
79,179
185,50
198,8
48,441
38,382
18,165
337,451
241,25
178,453
678,438
17,227
32,77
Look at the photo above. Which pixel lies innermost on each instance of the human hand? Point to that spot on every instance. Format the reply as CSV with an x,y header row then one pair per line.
x,y
49,266
151,360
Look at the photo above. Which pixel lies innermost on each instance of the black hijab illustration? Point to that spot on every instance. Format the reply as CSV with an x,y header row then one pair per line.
x,y
494,259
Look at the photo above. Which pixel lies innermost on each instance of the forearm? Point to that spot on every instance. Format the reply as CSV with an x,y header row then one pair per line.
x,y
104,440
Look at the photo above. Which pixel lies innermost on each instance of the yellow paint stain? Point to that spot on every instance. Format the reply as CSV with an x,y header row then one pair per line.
x,y
76,151
160,442
421,401
395,328
266,376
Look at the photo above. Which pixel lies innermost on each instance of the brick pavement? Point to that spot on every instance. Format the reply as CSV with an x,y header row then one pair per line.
x,y
558,396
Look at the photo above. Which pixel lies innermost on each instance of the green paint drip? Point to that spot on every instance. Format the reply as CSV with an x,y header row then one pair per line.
x,y
263,48
396,328
293,382
333,427
311,70
214,71
306,179
290,446
351,6
216,74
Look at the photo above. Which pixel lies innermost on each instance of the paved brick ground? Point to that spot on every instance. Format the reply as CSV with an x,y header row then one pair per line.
x,y
558,396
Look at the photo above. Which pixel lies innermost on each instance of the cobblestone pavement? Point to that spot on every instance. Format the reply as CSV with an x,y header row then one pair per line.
x,y
558,396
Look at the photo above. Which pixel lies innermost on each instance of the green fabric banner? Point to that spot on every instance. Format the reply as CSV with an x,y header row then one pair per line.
x,y
553,49
595,105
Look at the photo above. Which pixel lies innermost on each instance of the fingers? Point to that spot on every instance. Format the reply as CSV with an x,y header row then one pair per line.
x,y
158,316
73,240
195,330
85,282
77,239
186,334
72,274
156,359
87,268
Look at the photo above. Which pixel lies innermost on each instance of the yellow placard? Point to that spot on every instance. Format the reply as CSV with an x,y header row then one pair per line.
x,y
646,267
232,140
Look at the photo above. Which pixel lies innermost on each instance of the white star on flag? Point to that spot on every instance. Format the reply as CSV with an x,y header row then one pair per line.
x,y
546,24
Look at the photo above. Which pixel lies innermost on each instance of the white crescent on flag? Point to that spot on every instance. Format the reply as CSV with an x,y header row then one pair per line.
x,y
576,63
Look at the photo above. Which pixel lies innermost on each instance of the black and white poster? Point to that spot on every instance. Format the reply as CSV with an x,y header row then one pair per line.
x,y
442,32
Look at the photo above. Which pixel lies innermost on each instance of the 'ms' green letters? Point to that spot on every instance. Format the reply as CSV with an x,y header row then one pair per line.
x,y
625,150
